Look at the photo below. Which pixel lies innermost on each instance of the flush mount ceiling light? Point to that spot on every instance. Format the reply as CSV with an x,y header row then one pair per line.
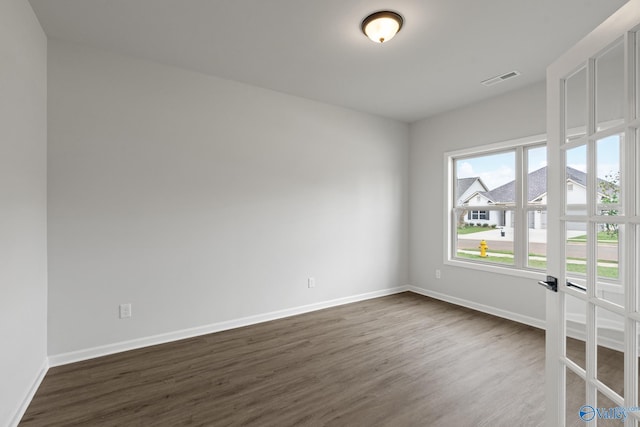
x,y
381,26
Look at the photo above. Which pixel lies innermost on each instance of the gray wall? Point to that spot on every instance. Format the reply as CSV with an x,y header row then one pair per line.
x,y
200,200
23,197
514,115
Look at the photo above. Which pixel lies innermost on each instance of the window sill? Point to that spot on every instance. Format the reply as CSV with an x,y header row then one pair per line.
x,y
498,269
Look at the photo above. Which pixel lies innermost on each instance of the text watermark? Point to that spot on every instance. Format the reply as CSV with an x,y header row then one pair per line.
x,y
589,413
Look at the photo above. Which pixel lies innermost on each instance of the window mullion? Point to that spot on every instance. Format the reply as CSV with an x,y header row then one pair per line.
x,y
520,229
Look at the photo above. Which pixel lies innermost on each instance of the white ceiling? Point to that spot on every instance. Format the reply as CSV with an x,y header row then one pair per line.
x,y
314,49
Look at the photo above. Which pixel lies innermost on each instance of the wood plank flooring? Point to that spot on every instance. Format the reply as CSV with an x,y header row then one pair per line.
x,y
401,360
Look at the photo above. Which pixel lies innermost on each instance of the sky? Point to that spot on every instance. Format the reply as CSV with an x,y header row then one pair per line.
x,y
498,169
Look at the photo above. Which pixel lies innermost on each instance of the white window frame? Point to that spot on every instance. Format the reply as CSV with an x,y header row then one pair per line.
x,y
520,210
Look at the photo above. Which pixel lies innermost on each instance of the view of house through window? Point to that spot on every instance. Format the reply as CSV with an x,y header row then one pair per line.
x,y
484,203
536,207
492,223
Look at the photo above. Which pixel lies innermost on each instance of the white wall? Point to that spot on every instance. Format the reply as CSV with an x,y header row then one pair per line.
x,y
514,115
200,200
23,199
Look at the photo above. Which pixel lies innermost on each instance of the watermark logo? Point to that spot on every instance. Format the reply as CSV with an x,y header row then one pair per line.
x,y
589,413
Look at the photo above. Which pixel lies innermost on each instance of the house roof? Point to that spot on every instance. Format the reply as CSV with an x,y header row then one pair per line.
x,y
485,194
537,183
577,176
506,193
464,184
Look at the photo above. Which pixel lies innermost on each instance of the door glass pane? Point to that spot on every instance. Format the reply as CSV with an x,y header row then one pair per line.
x,y
576,105
609,413
637,74
575,399
637,162
608,251
635,231
610,87
637,331
576,251
576,180
609,177
575,318
610,342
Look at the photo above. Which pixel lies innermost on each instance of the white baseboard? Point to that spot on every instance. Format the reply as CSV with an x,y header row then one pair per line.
x,y
29,396
90,353
531,321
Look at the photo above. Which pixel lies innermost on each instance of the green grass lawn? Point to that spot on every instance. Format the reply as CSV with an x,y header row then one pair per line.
x,y
603,236
603,271
498,259
473,229
609,272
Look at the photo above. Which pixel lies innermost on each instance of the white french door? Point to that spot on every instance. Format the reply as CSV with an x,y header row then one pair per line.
x,y
593,320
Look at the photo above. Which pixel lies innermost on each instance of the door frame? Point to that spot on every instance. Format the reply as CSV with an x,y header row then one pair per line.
x,y
626,19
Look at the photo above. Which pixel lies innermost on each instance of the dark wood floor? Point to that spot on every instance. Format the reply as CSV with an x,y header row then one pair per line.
x,y
401,360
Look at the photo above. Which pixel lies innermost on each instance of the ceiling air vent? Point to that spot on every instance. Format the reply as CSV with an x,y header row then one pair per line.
x,y
497,79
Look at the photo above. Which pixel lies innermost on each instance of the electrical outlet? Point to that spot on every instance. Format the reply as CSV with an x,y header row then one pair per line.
x,y
438,273
311,282
125,310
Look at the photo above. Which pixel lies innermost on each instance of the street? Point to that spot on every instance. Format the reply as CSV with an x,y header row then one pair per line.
x,y
537,243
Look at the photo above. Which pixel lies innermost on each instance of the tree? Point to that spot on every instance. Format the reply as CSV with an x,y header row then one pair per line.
x,y
610,190
461,216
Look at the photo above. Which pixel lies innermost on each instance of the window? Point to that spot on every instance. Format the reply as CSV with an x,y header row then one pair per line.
x,y
497,200
478,215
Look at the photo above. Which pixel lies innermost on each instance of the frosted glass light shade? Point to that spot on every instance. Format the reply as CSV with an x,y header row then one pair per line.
x,y
382,26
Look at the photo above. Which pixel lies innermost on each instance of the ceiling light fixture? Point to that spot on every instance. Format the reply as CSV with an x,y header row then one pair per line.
x,y
381,26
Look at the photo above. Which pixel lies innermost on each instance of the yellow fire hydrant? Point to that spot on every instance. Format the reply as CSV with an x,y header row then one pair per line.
x,y
483,248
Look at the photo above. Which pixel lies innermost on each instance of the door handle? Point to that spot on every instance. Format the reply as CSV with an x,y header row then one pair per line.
x,y
575,285
551,283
